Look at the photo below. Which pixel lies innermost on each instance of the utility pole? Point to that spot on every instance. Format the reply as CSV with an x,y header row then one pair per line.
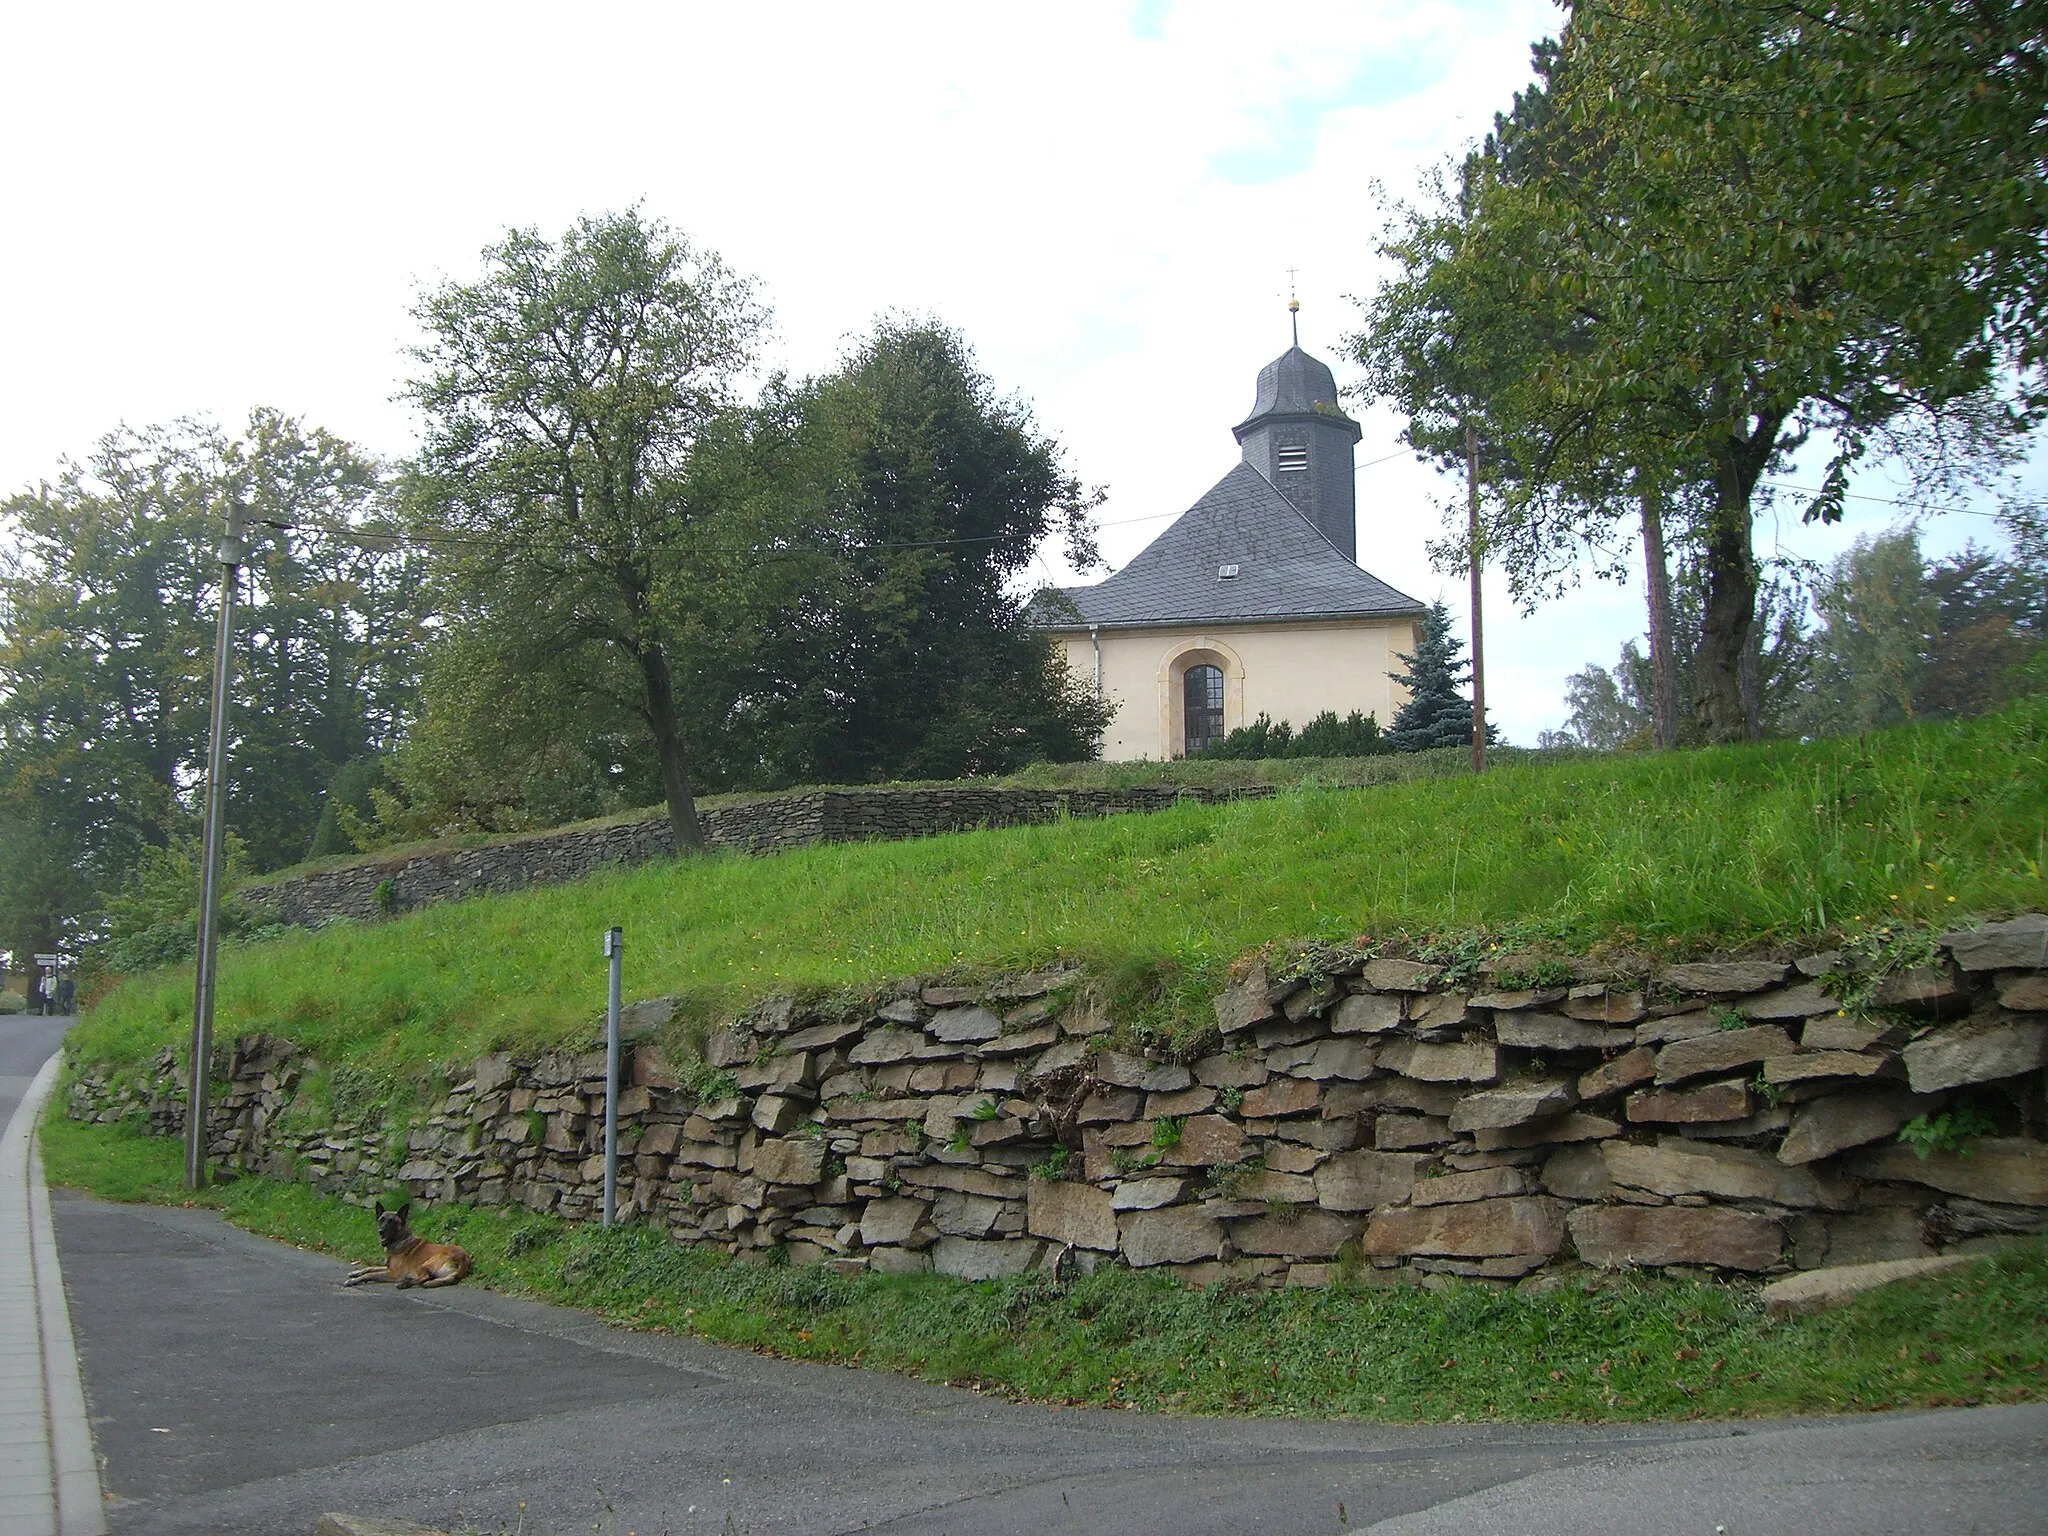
x,y
1474,551
231,553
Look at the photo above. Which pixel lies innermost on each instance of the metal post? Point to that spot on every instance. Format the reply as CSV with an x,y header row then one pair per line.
x,y
1478,650
231,554
614,942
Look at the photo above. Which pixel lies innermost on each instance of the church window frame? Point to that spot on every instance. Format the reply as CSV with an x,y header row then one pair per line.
x,y
1202,701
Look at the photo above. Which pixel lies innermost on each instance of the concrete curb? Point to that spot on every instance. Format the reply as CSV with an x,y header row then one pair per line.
x,y
52,1484
1818,1289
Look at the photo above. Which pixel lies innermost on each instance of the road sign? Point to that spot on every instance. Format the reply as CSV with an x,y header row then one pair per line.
x,y
49,959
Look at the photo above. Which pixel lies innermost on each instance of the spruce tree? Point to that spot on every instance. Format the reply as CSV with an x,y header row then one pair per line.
x,y
1436,714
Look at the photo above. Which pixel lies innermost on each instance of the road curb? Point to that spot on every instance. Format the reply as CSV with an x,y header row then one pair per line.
x,y
45,1390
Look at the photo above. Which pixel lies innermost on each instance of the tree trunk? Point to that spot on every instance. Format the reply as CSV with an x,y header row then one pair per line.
x,y
1725,701
668,750
1730,571
1663,657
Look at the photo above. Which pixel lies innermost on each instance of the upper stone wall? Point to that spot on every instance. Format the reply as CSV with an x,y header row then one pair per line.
x,y
378,888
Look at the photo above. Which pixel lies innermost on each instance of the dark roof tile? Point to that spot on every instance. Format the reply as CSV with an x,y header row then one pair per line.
x,y
1286,569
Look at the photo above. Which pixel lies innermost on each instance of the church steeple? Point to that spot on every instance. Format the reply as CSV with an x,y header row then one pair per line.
x,y
1299,438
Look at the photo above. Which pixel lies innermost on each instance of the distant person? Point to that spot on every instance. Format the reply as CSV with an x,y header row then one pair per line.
x,y
67,996
36,997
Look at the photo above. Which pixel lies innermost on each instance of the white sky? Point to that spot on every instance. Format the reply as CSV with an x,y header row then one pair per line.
x,y
214,206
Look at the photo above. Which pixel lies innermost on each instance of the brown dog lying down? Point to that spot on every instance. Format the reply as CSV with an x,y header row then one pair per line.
x,y
408,1260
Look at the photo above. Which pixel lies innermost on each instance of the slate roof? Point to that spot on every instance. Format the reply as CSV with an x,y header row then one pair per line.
x,y
1286,569
1294,384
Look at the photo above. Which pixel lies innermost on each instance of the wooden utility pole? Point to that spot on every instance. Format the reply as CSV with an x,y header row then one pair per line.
x,y
1473,552
1663,659
232,553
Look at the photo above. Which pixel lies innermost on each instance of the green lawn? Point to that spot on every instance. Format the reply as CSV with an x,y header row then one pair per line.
x,y
1219,773
1672,854
1632,1348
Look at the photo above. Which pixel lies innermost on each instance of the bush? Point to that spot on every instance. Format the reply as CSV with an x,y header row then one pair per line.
x,y
154,920
1356,735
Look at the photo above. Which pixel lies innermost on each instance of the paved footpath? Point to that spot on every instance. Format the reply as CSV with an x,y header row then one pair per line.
x,y
235,1386
48,1480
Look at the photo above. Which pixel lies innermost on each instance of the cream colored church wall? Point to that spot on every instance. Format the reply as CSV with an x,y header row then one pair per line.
x,y
1292,672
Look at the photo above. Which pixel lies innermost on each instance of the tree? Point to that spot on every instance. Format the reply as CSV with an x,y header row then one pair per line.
x,y
1454,343
1902,638
1604,710
507,741
1799,221
1746,224
1991,620
565,397
877,632
333,628
1436,714
1878,626
108,595
108,583
1610,710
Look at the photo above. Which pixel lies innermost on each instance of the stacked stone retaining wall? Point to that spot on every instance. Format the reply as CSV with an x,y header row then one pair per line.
x,y
378,888
1359,1115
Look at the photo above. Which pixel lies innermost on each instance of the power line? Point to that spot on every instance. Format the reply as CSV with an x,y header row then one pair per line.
x,y
368,536
1889,501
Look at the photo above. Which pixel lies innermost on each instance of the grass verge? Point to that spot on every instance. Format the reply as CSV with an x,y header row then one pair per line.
x,y
1676,852
1634,1349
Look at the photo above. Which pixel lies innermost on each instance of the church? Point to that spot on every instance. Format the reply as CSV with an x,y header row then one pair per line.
x,y
1252,601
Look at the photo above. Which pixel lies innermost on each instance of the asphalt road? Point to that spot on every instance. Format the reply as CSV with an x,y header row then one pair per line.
x,y
25,1044
236,1387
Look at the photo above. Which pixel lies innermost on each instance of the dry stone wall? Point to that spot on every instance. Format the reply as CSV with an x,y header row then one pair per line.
x,y
1366,1115
380,887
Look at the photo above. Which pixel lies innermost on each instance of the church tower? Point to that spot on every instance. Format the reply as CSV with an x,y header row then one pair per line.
x,y
1299,438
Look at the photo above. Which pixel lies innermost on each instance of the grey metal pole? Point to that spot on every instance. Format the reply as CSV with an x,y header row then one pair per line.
x,y
614,942
231,554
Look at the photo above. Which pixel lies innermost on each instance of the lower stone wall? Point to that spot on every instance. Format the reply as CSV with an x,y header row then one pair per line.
x,y
1352,1114
380,887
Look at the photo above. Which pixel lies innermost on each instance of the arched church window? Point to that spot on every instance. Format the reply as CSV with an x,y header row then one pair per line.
x,y
1204,698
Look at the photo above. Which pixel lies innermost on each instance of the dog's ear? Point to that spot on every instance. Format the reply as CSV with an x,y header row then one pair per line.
x,y
403,1211
378,1206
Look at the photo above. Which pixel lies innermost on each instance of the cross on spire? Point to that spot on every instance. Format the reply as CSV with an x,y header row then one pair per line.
x,y
1293,307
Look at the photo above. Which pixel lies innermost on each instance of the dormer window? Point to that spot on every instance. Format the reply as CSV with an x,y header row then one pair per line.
x,y
1293,456
1226,572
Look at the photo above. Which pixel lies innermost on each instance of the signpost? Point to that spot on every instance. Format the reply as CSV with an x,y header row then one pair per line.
x,y
614,944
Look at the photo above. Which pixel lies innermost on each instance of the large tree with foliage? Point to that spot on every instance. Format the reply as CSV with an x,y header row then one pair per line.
x,y
565,396
883,635
1759,222
332,632
837,598
108,593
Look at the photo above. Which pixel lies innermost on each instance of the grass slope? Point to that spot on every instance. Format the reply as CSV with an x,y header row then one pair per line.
x,y
1636,1348
1219,773
1679,851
